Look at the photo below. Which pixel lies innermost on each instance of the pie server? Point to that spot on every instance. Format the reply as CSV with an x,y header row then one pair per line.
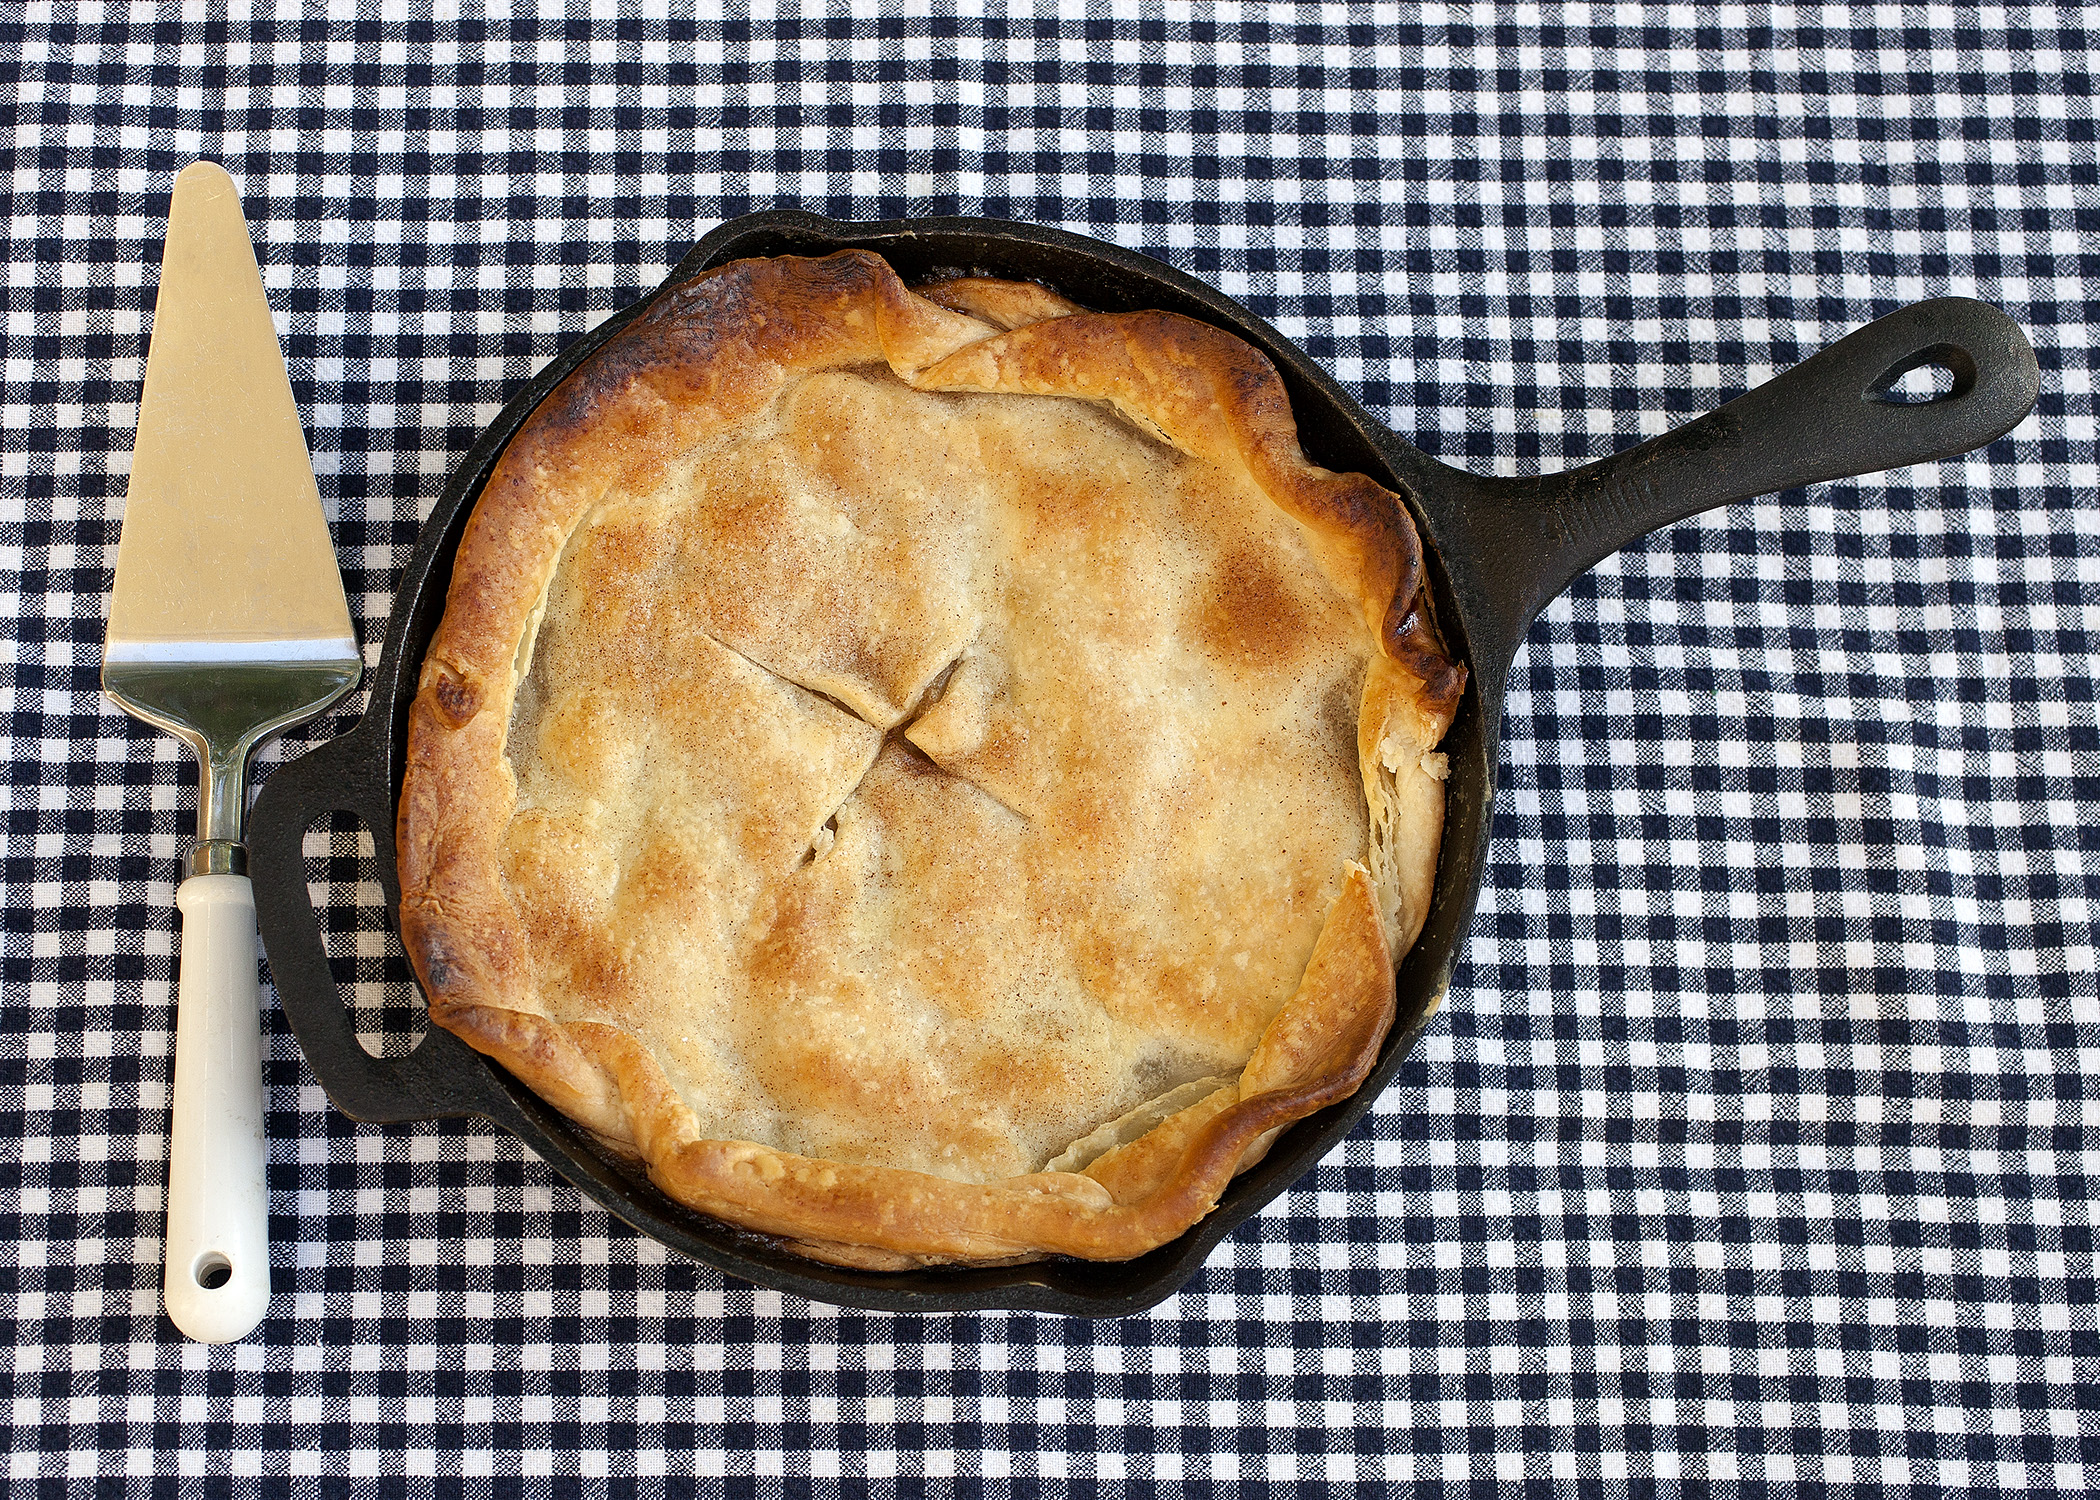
x,y
227,624
1498,550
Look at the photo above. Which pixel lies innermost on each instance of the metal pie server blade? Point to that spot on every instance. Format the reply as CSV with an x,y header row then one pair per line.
x,y
227,624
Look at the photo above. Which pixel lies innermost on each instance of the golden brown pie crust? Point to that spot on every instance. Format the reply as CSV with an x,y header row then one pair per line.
x,y
840,736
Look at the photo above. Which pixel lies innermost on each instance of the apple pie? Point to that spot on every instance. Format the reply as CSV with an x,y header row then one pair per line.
x,y
935,772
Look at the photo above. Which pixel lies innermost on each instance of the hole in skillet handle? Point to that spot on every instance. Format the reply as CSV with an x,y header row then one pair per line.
x,y
360,935
1944,372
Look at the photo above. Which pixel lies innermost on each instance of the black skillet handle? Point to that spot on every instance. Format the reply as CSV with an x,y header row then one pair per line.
x,y
442,1077
1835,415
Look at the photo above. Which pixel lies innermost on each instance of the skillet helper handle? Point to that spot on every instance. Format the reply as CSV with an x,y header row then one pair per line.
x,y
442,1077
1837,414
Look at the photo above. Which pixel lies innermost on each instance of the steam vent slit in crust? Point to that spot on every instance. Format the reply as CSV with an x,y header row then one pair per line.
x,y
936,773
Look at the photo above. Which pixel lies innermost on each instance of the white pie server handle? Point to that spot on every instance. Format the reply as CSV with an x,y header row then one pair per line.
x,y
218,1225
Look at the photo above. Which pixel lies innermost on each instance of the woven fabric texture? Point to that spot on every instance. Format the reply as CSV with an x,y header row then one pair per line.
x,y
1752,1152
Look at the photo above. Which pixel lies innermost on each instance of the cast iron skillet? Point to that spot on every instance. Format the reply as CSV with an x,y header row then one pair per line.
x,y
1498,550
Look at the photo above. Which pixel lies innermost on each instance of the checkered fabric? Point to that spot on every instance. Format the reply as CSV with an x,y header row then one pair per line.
x,y
1753,1151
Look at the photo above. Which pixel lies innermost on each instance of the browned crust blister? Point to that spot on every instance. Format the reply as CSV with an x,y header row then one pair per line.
x,y
707,355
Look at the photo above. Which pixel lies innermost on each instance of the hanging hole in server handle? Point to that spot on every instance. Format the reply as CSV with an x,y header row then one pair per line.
x,y
212,1270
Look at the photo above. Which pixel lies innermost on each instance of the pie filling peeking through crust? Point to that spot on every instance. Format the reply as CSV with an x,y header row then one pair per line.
x,y
925,815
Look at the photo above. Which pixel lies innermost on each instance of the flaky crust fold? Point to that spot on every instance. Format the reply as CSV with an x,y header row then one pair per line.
x,y
711,354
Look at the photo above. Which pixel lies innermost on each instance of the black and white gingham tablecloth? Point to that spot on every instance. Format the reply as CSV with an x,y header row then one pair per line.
x,y
1753,1152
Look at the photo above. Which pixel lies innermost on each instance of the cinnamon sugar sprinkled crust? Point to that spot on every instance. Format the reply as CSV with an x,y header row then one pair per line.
x,y
851,769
